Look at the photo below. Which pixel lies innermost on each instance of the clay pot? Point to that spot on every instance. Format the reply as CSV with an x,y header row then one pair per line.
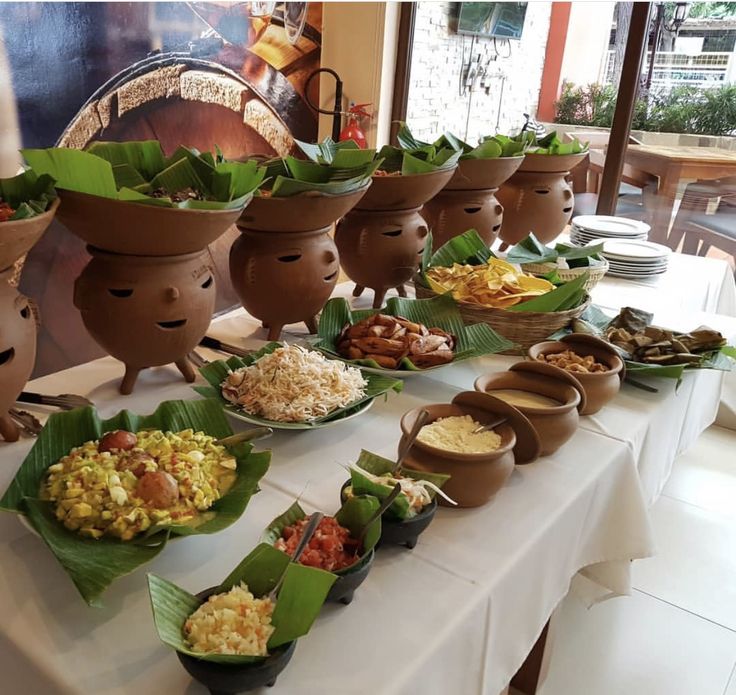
x,y
554,425
382,239
18,236
599,387
140,229
284,265
17,352
482,174
475,478
451,213
381,249
146,311
538,198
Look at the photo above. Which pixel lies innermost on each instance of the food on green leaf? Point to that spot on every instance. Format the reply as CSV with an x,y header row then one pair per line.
x,y
233,622
524,399
441,312
565,256
126,482
294,384
138,172
550,144
458,433
570,361
331,547
490,147
25,195
389,339
496,284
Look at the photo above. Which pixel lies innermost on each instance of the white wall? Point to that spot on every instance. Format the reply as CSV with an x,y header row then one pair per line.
x,y
435,104
588,34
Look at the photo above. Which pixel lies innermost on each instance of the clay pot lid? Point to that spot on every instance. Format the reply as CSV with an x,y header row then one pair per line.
x,y
550,163
552,372
483,174
528,445
596,342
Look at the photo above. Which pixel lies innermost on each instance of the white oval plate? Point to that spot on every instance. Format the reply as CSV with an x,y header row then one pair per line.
x,y
621,226
625,249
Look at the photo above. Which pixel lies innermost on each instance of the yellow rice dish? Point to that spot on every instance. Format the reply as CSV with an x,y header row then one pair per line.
x,y
235,622
125,483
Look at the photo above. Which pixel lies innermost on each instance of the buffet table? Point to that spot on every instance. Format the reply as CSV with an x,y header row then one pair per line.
x,y
459,613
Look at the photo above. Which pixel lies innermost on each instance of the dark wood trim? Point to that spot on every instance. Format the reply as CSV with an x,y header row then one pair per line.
x,y
402,75
625,102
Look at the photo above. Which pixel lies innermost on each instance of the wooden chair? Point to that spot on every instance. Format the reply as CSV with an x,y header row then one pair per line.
x,y
706,218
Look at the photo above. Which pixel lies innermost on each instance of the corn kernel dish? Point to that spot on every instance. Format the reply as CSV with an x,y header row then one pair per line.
x,y
125,483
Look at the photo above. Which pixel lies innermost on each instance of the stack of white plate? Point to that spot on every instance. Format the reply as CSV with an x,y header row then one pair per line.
x,y
633,258
583,228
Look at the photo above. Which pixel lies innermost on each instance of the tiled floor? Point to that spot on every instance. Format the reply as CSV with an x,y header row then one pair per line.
x,y
676,635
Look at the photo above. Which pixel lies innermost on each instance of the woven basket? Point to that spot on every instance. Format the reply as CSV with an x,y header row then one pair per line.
x,y
566,274
525,328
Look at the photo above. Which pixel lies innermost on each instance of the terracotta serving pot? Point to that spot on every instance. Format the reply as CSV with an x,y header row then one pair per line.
x,y
452,212
555,425
284,265
18,236
538,198
475,478
17,352
146,311
599,387
142,230
382,239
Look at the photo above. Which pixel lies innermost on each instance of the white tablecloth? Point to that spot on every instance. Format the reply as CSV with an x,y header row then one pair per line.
x,y
459,613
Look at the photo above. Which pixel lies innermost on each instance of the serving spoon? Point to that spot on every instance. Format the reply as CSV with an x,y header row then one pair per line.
x,y
410,439
245,436
314,521
489,426
387,502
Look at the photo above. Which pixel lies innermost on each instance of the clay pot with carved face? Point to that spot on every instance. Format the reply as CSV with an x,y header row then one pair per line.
x,y
146,311
17,352
538,198
382,238
285,264
381,249
468,200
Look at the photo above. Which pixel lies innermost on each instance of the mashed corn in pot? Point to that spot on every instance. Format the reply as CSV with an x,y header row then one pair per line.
x,y
125,483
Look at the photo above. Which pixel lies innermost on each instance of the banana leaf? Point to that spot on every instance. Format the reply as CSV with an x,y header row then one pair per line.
x,y
28,194
440,312
531,250
145,156
216,372
74,170
93,564
353,515
298,602
324,152
467,248
552,144
566,296
377,465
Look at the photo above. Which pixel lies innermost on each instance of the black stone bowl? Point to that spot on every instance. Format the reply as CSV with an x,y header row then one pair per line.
x,y
228,679
348,580
397,532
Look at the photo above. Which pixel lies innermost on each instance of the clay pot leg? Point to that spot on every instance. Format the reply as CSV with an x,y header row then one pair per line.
x,y
274,332
185,367
311,324
378,296
264,324
9,431
358,290
503,246
401,290
128,382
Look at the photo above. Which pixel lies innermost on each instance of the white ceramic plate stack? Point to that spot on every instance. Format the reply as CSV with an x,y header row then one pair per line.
x,y
633,258
585,228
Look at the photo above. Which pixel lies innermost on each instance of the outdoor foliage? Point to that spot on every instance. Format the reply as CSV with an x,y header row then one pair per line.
x,y
680,110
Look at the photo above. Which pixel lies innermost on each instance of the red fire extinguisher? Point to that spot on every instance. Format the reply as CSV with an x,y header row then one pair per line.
x,y
352,129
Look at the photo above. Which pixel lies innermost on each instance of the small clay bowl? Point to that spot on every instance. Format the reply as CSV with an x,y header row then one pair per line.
x,y
599,387
475,478
397,531
227,679
349,579
554,424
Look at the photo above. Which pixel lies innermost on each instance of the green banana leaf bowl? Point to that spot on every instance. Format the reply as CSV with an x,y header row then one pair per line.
x,y
353,515
91,564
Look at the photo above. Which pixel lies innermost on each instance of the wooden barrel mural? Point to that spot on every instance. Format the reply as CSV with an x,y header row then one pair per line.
x,y
244,100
